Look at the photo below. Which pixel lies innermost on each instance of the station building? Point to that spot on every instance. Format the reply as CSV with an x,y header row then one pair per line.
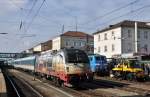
x,y
41,47
125,38
74,39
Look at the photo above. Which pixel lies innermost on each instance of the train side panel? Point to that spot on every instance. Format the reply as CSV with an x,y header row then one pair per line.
x,y
25,63
98,64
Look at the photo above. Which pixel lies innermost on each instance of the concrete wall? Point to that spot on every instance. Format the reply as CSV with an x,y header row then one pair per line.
x,y
37,48
56,43
123,41
112,39
75,42
142,37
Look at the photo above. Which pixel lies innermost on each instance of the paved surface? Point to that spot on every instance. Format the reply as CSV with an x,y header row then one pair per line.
x,y
119,93
45,89
131,84
3,91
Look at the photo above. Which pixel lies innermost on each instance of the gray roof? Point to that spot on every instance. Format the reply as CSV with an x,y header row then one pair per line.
x,y
125,23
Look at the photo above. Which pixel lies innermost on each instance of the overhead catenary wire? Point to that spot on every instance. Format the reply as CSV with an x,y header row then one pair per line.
x,y
28,14
32,20
111,12
36,14
132,11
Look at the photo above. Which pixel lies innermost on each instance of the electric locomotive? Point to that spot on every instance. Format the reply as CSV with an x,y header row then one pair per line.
x,y
66,67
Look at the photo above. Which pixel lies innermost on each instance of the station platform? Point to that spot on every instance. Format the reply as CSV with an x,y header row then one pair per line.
x,y
3,90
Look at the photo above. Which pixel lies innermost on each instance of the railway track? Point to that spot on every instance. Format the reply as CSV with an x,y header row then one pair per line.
x,y
126,85
12,89
19,88
76,92
91,89
124,81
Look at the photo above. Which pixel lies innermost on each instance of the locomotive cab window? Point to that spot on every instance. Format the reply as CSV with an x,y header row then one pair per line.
x,y
90,58
77,56
60,59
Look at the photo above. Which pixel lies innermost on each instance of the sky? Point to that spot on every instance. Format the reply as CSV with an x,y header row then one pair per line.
x,y
30,22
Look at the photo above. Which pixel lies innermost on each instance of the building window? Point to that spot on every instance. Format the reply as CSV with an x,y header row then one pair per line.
x,y
99,37
112,33
105,36
83,43
105,48
113,47
129,33
67,43
129,47
75,43
80,43
145,34
99,49
146,47
138,34
139,47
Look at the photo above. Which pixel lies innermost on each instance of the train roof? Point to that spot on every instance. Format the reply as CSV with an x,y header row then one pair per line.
x,y
26,58
95,55
69,49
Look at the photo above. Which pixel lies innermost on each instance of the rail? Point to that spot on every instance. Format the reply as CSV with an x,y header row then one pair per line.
x,y
14,87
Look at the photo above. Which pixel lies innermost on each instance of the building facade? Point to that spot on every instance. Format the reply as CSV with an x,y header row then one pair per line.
x,y
73,39
126,37
41,47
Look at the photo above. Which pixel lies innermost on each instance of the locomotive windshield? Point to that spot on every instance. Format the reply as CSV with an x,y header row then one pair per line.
x,y
134,64
77,56
100,58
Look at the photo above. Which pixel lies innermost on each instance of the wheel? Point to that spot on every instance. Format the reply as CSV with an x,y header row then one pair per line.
x,y
129,76
58,82
62,84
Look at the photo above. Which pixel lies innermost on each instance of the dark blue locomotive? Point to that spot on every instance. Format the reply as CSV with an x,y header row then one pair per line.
x,y
98,64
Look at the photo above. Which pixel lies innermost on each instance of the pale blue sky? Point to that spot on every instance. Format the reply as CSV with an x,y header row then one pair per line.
x,y
55,13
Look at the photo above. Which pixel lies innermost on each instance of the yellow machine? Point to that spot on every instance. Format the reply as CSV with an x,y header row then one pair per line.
x,y
128,69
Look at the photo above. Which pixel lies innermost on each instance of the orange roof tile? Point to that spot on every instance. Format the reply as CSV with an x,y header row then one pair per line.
x,y
76,34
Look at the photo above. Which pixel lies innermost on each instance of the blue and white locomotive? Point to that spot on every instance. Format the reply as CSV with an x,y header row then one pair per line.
x,y
98,63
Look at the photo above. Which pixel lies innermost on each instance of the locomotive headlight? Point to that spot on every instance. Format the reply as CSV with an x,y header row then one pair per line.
x,y
80,65
43,69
